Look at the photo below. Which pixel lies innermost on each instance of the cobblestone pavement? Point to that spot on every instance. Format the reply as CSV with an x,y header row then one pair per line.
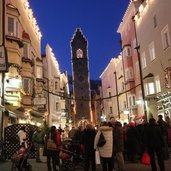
x,y
6,166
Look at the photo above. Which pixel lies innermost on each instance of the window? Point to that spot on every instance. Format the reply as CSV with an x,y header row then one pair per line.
x,y
129,73
127,51
26,50
110,109
157,83
155,21
143,60
57,106
165,37
13,26
152,51
39,72
27,85
149,88
109,94
132,100
123,86
56,85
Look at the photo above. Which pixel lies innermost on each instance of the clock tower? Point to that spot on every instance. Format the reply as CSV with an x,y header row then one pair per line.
x,y
80,76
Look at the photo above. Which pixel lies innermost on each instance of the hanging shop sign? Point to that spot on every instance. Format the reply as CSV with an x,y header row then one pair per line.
x,y
3,59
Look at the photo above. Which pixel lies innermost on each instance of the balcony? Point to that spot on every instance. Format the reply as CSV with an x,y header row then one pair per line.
x,y
27,60
12,39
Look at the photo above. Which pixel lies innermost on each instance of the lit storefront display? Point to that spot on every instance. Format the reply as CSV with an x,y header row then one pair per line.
x,y
164,104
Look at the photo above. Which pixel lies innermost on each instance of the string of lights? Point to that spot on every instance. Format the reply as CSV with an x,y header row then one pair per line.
x,y
99,99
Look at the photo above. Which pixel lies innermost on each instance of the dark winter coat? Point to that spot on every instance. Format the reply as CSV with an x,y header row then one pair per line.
x,y
118,138
133,140
163,126
87,140
153,137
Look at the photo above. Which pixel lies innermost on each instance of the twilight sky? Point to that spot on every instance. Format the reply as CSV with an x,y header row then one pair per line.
x,y
98,19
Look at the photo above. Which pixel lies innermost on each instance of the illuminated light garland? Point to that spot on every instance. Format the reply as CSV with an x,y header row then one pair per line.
x,y
54,60
31,17
142,10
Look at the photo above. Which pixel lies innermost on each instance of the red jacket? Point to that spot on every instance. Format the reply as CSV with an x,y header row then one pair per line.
x,y
58,139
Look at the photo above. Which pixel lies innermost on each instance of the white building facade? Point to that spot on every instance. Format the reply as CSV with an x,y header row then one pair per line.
x,y
56,89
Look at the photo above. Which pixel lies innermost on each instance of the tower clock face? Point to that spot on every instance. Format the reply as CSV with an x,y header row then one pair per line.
x,y
79,53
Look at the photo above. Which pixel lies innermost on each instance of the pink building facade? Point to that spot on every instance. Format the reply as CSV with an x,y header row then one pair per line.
x,y
133,84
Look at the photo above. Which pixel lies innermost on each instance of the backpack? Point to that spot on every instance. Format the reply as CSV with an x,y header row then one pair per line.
x,y
102,140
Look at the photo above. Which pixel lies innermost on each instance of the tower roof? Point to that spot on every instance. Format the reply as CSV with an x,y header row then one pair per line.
x,y
78,35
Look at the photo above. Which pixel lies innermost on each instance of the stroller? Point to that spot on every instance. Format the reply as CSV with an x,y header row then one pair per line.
x,y
19,161
70,155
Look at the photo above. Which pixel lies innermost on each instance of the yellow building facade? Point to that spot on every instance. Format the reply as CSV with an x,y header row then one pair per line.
x,y
23,83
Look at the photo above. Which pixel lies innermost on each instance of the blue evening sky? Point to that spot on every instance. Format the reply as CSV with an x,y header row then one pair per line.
x,y
98,19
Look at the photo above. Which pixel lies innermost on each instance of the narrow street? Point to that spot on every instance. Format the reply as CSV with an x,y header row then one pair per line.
x,y
6,166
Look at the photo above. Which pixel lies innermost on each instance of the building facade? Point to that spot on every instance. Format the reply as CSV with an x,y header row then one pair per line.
x,y
22,39
153,27
131,65
81,77
57,91
109,91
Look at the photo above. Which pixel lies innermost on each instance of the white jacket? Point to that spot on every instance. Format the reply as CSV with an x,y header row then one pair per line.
x,y
106,150
22,136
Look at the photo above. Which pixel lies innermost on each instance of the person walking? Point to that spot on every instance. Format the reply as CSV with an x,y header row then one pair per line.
x,y
164,129
133,142
106,150
119,145
52,155
22,136
37,139
153,142
87,140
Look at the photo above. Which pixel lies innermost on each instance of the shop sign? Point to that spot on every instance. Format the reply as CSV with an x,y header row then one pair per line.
x,y
39,101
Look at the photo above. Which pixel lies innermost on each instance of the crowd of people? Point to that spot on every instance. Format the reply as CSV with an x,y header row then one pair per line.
x,y
123,143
